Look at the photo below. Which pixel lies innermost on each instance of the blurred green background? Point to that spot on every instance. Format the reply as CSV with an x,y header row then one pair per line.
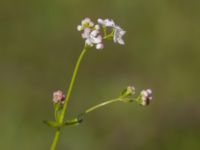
x,y
39,45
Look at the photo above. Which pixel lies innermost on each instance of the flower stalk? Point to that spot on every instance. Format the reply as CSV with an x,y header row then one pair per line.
x,y
72,83
62,115
55,140
79,118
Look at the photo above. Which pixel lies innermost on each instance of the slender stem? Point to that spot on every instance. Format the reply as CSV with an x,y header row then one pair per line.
x,y
107,36
101,105
60,120
80,116
71,84
55,140
79,119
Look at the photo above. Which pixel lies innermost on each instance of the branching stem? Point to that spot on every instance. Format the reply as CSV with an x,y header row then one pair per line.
x,y
61,119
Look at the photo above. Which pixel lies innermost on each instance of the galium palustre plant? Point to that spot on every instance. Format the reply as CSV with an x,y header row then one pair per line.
x,y
94,35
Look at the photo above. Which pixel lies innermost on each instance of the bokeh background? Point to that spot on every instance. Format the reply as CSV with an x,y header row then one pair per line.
x,y
39,45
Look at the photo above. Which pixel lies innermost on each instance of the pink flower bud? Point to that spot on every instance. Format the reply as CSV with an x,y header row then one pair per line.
x,y
146,97
58,96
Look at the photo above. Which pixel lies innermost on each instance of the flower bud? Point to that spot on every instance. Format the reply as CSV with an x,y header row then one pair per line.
x,y
58,96
99,46
79,28
129,91
146,97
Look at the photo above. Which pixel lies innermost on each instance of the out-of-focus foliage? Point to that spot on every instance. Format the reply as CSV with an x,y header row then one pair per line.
x,y
39,45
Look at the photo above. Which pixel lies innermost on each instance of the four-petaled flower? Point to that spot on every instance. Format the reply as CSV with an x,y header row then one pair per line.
x,y
85,23
106,22
118,34
118,31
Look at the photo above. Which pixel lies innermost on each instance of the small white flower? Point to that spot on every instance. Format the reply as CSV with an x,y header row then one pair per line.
x,y
118,31
79,28
85,23
100,21
97,27
92,38
106,22
99,46
91,24
94,33
146,97
90,33
118,34
86,33
149,91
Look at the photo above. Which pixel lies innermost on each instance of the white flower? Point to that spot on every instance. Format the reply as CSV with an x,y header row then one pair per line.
x,y
79,27
146,97
106,22
97,27
99,46
86,33
91,33
118,31
85,23
92,38
118,34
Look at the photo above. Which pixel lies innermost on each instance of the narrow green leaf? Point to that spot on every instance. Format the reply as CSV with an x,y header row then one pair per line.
x,y
75,121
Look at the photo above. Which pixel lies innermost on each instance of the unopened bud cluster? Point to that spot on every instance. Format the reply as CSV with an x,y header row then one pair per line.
x,y
146,97
58,97
129,91
93,36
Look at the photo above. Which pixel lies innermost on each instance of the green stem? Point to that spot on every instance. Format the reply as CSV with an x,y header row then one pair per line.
x,y
101,105
79,119
55,140
107,36
60,120
71,84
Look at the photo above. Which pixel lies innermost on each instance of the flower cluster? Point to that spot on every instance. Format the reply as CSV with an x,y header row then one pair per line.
x,y
142,99
92,33
129,91
118,31
146,97
58,97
